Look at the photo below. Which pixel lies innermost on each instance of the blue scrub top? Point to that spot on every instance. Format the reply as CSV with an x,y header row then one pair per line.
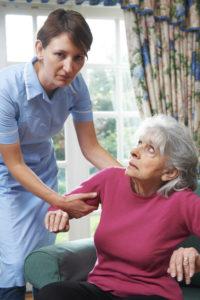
x,y
29,117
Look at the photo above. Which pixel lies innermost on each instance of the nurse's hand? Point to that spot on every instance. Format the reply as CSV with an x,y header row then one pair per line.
x,y
57,221
184,263
75,204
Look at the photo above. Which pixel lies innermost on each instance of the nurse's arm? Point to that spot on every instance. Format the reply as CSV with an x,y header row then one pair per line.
x,y
73,204
91,148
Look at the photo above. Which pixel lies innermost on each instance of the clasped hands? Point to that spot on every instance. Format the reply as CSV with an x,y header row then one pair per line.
x,y
70,206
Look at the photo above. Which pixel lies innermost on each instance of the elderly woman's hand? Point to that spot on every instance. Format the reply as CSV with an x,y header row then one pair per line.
x,y
57,221
184,263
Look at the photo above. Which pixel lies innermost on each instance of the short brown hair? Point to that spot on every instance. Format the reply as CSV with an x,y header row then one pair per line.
x,y
60,21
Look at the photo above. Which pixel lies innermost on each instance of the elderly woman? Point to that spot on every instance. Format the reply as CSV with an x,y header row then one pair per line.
x,y
147,210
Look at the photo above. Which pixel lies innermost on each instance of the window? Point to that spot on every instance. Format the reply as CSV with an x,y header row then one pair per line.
x,y
14,40
107,75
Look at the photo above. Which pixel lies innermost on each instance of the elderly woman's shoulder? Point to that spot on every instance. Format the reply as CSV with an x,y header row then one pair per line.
x,y
185,195
112,171
115,169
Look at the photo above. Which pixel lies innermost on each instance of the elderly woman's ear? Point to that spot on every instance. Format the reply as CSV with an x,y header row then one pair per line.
x,y
169,174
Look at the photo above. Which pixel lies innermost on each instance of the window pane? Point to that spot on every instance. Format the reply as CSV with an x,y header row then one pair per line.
x,y
130,126
94,221
103,46
101,84
19,38
59,145
128,97
62,181
40,21
106,134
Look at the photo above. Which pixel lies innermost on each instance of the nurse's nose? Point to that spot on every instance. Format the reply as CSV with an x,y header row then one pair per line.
x,y
68,65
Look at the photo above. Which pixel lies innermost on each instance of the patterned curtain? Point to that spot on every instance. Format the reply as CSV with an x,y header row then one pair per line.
x,y
164,52
70,2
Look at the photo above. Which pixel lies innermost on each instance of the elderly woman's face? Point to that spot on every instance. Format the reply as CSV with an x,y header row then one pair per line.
x,y
146,163
60,62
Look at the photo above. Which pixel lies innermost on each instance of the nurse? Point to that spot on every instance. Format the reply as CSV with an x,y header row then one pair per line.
x,y
35,100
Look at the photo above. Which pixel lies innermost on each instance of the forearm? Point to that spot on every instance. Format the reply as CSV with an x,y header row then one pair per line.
x,y
91,148
100,158
31,182
72,204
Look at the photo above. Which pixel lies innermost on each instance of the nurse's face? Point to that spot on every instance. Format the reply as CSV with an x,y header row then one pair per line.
x,y
58,63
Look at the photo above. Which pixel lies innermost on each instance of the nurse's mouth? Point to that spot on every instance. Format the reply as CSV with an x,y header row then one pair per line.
x,y
64,77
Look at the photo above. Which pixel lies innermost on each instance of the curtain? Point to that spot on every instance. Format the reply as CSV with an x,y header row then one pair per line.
x,y
164,52
75,2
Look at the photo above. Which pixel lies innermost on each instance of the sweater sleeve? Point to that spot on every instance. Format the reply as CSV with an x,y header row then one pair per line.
x,y
96,184
8,123
190,209
82,108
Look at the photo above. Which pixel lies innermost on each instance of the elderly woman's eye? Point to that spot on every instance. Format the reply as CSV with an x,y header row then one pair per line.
x,y
151,149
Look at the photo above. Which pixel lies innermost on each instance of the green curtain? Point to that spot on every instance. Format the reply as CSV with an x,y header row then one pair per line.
x,y
164,52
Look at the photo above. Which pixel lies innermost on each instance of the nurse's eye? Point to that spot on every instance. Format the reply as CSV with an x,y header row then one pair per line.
x,y
79,59
60,55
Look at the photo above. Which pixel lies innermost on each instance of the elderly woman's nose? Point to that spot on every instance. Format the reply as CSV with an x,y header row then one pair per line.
x,y
135,152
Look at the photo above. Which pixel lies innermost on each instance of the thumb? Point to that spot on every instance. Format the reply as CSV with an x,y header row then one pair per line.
x,y
88,195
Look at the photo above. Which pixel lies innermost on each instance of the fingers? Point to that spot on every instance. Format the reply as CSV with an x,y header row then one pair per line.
x,y
64,222
51,221
81,211
81,196
75,205
46,220
77,208
56,221
190,261
176,265
172,265
186,269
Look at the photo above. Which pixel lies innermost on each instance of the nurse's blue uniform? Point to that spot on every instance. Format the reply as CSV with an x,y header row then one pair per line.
x,y
29,117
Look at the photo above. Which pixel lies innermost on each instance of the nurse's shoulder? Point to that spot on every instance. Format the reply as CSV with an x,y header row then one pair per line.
x,y
11,75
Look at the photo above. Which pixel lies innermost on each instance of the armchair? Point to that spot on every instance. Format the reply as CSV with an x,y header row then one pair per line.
x,y
73,261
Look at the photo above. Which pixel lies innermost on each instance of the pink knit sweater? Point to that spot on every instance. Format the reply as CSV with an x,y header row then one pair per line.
x,y
137,235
